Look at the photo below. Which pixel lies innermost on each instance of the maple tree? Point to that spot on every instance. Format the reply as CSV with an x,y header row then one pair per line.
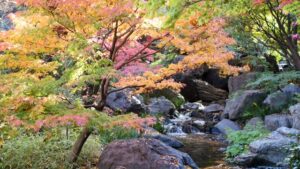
x,y
61,44
36,53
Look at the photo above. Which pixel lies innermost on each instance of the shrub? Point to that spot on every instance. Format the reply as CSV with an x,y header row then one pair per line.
x,y
239,140
255,110
294,158
117,133
270,82
46,151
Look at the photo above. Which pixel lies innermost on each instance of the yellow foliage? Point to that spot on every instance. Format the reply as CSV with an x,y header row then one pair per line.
x,y
201,44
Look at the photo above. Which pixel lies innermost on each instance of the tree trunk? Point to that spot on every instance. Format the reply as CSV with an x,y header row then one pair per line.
x,y
296,61
101,100
86,132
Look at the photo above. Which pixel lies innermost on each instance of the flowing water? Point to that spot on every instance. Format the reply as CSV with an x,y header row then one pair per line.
x,y
204,149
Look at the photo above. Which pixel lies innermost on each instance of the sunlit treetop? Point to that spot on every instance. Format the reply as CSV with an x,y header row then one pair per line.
x,y
200,44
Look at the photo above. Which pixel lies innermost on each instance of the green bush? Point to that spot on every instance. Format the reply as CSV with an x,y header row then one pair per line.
x,y
269,82
46,152
294,158
158,126
117,133
239,140
255,110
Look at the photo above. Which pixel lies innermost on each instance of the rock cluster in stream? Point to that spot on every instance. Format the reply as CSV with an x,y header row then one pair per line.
x,y
216,117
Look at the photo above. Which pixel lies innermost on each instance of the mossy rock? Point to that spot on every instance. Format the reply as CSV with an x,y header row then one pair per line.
x,y
176,98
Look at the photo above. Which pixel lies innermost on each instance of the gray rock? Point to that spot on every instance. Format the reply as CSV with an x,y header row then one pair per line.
x,y
6,7
245,159
295,112
255,121
143,153
235,107
200,124
160,105
277,100
170,141
225,125
236,83
288,132
190,128
291,89
273,149
176,98
124,102
192,106
295,109
212,108
275,121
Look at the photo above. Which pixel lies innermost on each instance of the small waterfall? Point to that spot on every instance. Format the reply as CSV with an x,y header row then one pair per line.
x,y
174,127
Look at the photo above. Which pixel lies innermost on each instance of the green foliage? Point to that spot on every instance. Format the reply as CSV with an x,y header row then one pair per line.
x,y
39,152
240,140
256,63
239,29
268,81
45,87
117,133
255,110
296,98
158,126
294,158
176,98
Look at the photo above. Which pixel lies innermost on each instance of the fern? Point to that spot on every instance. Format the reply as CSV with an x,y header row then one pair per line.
x,y
270,82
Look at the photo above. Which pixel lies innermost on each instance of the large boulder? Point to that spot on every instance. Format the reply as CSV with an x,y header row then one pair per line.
x,y
295,112
275,148
225,126
236,107
161,105
275,121
143,153
236,83
125,102
277,100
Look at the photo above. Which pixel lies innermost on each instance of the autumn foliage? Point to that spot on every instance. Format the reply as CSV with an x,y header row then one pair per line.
x,y
201,45
60,52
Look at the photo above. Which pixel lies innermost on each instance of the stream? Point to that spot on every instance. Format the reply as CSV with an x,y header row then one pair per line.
x,y
204,149
207,150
